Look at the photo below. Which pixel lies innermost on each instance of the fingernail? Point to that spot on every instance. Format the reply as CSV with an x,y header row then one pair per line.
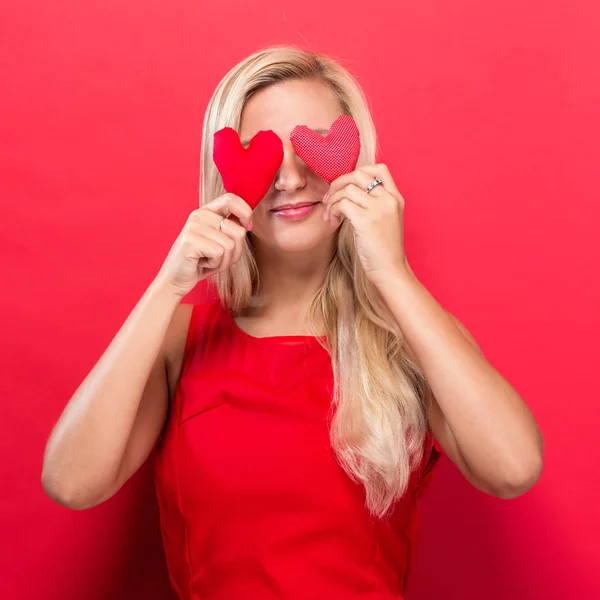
x,y
325,197
250,225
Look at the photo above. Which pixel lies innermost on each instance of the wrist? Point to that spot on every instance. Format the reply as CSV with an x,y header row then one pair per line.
x,y
399,274
404,271
164,291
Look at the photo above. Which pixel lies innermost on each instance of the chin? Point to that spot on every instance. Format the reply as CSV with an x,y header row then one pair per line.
x,y
301,240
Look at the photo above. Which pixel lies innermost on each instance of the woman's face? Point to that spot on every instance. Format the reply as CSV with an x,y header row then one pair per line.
x,y
280,107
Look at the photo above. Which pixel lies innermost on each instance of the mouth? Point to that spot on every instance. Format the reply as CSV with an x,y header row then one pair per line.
x,y
292,206
299,211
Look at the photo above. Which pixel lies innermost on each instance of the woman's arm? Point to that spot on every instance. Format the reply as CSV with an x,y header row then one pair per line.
x,y
127,386
480,421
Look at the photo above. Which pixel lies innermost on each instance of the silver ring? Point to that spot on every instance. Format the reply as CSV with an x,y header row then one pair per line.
x,y
223,221
373,184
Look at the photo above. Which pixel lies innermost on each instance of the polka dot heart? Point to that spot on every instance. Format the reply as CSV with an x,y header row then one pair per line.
x,y
332,155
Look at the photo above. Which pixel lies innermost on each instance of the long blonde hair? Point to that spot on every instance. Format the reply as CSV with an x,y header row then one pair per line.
x,y
380,397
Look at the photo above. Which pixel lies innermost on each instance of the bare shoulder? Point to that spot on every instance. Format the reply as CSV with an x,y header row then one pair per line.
x,y
175,343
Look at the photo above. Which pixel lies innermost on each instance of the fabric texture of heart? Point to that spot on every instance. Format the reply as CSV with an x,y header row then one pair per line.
x,y
330,156
248,173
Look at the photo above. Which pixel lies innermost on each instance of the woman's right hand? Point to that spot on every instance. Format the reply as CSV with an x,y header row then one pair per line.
x,y
201,249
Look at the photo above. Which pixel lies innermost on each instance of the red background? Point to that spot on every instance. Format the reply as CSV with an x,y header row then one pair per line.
x,y
488,120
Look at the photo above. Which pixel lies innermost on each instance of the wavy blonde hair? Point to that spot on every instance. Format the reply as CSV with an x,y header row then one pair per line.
x,y
378,419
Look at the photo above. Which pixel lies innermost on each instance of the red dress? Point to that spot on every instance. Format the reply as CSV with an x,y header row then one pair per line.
x,y
253,504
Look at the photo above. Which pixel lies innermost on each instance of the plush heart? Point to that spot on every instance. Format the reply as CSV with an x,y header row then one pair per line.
x,y
330,156
248,173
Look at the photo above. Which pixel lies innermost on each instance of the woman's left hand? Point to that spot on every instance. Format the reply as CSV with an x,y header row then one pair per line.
x,y
377,219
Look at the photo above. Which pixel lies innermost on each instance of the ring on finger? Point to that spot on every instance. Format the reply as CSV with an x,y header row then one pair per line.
x,y
223,221
373,184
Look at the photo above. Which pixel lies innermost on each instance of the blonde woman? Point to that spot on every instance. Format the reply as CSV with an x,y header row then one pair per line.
x,y
297,415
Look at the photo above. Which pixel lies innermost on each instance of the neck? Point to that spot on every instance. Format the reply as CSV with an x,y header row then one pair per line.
x,y
290,280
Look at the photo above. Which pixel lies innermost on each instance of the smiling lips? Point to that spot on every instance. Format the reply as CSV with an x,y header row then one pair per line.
x,y
297,212
288,206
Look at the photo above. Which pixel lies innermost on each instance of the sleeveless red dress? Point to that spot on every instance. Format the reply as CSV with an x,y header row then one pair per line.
x,y
253,504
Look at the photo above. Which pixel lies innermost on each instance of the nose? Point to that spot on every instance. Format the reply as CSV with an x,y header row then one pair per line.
x,y
292,172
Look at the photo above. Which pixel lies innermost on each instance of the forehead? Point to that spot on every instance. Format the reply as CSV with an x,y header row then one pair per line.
x,y
284,105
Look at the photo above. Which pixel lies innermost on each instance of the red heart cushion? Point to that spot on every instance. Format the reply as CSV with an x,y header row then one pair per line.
x,y
248,173
330,156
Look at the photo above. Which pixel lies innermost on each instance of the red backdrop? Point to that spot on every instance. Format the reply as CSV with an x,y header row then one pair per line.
x,y
488,120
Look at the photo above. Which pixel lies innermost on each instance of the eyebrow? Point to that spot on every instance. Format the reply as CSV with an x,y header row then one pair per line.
x,y
320,130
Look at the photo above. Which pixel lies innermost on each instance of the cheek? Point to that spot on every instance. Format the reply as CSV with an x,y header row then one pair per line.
x,y
259,217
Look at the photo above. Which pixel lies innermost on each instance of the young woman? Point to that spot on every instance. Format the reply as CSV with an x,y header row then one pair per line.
x,y
299,414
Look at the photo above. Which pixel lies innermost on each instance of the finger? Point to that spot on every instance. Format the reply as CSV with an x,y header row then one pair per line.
x,y
349,209
213,219
357,177
380,171
238,234
231,237
210,253
210,262
231,204
351,191
225,242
